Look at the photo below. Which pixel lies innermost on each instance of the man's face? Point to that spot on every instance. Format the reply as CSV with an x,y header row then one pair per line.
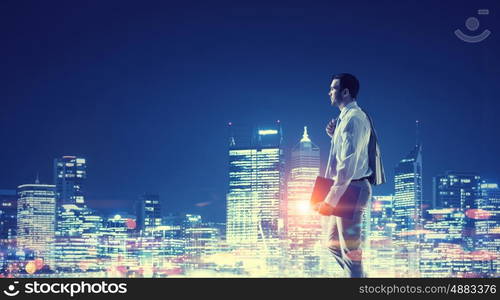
x,y
335,97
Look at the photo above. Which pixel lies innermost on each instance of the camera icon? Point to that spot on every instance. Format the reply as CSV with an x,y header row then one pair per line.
x,y
472,24
11,290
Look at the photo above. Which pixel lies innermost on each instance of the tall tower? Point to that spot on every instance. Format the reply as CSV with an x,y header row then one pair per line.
x,y
408,191
302,224
256,185
36,217
487,223
76,225
148,211
408,210
408,197
69,177
8,225
8,216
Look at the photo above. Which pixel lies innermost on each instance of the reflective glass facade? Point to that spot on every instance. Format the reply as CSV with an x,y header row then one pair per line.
x,y
36,217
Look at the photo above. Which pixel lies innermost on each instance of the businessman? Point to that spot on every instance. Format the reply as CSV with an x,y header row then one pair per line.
x,y
354,163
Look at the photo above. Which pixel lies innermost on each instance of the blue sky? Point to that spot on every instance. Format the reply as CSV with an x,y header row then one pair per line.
x,y
144,90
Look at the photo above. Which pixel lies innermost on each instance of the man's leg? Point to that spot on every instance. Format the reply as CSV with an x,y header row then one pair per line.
x,y
351,246
334,242
350,234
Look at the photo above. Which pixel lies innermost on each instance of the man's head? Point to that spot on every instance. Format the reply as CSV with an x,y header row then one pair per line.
x,y
343,89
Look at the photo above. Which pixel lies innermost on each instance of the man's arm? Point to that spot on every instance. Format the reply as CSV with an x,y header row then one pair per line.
x,y
348,158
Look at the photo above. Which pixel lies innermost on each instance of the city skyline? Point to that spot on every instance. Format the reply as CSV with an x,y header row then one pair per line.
x,y
456,238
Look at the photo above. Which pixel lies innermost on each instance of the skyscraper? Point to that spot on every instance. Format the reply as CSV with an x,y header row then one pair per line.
x,y
408,197
302,224
408,208
256,186
8,215
148,209
69,177
459,190
36,217
255,196
456,190
487,235
8,224
76,225
77,240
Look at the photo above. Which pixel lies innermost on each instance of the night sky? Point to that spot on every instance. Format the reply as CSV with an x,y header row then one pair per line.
x,y
144,90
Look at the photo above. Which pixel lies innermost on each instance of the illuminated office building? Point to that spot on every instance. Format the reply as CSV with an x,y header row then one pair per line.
x,y
256,186
202,240
8,216
442,254
113,237
303,225
77,227
378,233
8,225
456,190
459,190
77,239
148,209
69,177
407,202
36,217
487,230
163,248
407,212
118,243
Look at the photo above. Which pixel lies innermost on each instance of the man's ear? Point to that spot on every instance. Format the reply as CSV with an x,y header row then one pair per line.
x,y
345,93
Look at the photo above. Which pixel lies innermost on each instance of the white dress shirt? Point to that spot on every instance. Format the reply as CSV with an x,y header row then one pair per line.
x,y
349,151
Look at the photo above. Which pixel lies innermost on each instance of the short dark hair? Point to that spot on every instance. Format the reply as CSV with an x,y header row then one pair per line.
x,y
348,81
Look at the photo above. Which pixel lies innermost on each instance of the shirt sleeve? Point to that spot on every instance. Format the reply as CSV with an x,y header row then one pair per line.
x,y
347,159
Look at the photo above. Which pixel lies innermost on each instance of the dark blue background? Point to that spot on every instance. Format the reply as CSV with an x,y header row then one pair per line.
x,y
144,90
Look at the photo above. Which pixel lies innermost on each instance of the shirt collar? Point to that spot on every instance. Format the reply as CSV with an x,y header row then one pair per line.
x,y
344,110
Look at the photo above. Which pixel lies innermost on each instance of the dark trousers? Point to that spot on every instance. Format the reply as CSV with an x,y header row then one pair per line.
x,y
345,235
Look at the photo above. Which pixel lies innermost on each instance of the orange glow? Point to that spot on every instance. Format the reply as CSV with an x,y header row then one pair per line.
x,y
130,223
39,263
478,214
30,267
381,243
355,255
303,207
483,255
83,266
495,230
377,206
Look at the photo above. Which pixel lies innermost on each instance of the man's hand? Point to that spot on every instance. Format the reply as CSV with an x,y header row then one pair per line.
x,y
323,208
330,127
